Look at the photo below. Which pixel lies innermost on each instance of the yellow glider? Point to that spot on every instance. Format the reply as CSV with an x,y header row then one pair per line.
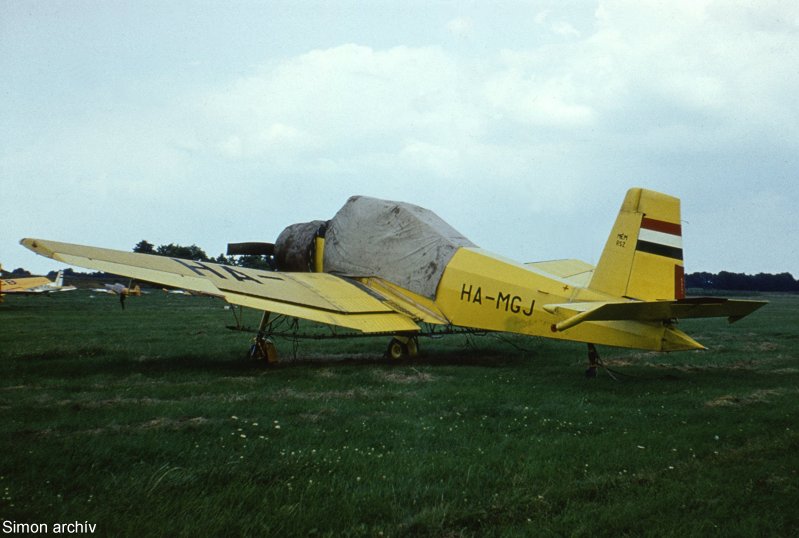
x,y
389,267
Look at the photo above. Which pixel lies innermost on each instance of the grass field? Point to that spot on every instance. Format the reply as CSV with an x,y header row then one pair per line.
x,y
149,421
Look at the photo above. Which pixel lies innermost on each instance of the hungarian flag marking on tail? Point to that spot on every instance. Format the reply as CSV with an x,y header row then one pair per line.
x,y
660,238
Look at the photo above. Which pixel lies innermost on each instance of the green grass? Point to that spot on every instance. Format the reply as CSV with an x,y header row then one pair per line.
x,y
151,422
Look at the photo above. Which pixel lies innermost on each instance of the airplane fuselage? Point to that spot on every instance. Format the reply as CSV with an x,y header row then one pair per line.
x,y
482,290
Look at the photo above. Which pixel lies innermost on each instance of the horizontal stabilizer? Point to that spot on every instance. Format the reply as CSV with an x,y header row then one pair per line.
x,y
577,272
700,307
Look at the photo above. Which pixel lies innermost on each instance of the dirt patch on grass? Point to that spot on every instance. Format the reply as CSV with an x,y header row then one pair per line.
x,y
110,402
758,396
173,424
19,387
162,423
767,346
138,380
244,380
641,358
404,377
785,371
618,363
316,417
321,395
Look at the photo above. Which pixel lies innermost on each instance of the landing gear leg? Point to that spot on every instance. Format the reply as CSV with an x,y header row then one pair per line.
x,y
262,347
593,361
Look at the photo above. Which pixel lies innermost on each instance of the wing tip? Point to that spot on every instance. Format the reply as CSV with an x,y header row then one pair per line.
x,y
36,246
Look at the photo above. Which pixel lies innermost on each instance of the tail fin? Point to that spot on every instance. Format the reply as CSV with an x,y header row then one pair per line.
x,y
643,256
59,278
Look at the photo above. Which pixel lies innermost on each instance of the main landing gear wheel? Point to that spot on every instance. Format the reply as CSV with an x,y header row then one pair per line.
x,y
263,349
401,347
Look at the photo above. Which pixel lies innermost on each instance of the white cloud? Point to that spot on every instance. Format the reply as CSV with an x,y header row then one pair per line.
x,y
460,26
345,101
441,161
231,147
541,16
560,28
650,75
549,100
564,29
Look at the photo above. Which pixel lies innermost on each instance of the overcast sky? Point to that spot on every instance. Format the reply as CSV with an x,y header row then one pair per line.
x,y
521,123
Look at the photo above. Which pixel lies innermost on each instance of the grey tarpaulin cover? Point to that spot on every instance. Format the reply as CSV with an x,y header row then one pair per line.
x,y
400,242
293,246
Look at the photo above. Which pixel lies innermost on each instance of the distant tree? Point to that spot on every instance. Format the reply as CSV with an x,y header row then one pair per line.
x,y
224,260
699,280
730,281
726,280
144,247
779,282
192,252
266,263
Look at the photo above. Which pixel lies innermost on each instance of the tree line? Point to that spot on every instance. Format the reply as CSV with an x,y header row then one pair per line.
x,y
193,252
725,280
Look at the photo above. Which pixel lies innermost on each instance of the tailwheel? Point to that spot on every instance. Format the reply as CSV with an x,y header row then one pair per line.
x,y
401,347
263,349
593,361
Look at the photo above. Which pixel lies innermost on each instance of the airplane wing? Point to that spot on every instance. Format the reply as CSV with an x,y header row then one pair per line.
x,y
318,297
699,307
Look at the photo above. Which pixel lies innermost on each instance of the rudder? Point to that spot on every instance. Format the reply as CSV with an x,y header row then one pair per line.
x,y
643,256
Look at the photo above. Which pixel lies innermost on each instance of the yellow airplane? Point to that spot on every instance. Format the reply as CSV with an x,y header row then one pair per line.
x,y
17,285
34,285
398,269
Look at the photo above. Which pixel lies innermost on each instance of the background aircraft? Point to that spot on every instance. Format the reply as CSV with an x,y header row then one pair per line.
x,y
398,269
176,292
119,289
34,285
